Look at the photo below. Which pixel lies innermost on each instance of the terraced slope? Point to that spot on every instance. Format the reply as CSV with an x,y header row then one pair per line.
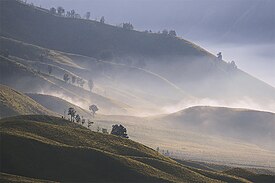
x,y
51,148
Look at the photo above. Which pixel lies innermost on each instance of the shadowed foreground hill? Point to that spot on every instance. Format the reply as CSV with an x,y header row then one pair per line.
x,y
51,148
15,103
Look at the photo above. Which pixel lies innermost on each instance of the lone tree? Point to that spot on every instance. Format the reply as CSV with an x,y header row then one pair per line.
x,y
91,84
60,10
77,118
102,20
88,15
50,69
71,112
219,56
53,10
93,108
119,130
66,77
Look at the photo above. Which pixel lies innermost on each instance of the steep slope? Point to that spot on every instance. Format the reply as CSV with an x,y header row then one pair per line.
x,y
182,63
27,79
92,156
252,126
129,84
85,37
15,103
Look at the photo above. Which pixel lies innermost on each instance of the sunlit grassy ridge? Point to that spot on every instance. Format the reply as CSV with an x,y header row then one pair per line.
x,y
15,103
52,148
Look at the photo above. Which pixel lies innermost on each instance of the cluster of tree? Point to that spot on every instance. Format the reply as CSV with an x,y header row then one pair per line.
x,y
77,80
127,26
169,33
72,14
76,117
164,152
119,130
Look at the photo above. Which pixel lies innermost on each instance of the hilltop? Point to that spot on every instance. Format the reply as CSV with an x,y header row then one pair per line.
x,y
92,156
14,103
252,126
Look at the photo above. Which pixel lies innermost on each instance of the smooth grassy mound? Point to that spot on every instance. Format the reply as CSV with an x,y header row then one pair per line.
x,y
15,103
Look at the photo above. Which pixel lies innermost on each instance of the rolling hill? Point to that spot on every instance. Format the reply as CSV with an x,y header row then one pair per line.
x,y
249,125
186,66
21,77
14,103
58,105
74,153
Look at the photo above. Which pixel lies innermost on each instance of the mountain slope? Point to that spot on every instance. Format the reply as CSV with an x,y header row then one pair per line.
x,y
84,37
92,156
15,103
21,77
185,65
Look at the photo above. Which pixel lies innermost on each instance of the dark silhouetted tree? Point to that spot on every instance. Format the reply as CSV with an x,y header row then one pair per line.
x,y
53,10
83,121
93,108
66,77
219,56
73,79
71,112
119,130
88,15
91,84
77,118
50,69
102,20
172,33
60,11
127,26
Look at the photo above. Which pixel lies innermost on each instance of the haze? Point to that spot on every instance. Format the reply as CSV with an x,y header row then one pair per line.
x,y
242,30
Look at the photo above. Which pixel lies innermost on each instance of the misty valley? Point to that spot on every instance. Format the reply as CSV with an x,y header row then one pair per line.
x,y
83,100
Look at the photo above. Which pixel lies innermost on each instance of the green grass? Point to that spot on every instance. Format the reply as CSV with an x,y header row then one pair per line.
x,y
249,175
16,103
52,148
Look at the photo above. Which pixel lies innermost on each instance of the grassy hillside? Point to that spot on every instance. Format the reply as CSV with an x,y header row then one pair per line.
x,y
74,153
252,126
57,105
27,79
85,37
15,103
134,86
250,175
